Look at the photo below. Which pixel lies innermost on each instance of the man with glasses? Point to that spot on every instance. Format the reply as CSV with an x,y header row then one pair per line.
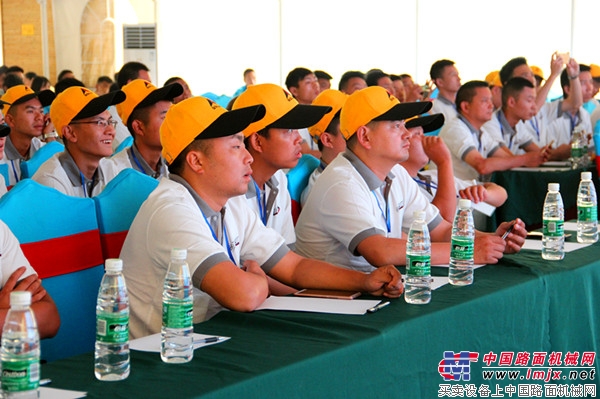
x,y
23,110
83,122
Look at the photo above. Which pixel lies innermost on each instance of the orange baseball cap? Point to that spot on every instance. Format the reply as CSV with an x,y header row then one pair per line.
x,y
493,79
537,71
282,109
374,103
331,98
199,118
140,93
21,93
78,102
595,70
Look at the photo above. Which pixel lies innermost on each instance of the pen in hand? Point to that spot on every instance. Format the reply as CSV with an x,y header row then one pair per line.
x,y
508,231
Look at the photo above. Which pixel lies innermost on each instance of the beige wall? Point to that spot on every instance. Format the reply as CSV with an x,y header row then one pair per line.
x,y
22,36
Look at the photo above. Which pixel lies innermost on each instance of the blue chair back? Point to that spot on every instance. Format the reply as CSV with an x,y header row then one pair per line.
x,y
117,206
28,168
59,236
128,142
298,180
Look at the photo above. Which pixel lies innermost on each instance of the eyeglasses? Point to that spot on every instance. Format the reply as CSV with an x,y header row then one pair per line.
x,y
100,123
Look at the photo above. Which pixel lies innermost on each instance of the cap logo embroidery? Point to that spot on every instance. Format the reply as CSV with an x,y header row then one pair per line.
x,y
288,96
85,91
147,84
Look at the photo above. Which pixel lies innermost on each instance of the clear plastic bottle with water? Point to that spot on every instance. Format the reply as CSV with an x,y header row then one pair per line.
x,y
20,352
587,210
418,262
462,244
111,357
553,231
177,341
578,148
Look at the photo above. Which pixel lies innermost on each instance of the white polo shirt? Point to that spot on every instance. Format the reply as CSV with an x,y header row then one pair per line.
x,y
441,105
311,182
560,124
346,205
131,158
515,139
274,203
174,216
14,159
61,172
11,255
460,138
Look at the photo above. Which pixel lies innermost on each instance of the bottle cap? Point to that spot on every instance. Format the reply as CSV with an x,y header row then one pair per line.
x,y
419,215
464,203
20,298
586,175
553,187
113,265
178,253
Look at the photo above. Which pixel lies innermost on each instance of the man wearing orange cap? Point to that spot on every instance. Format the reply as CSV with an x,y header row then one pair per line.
x,y
82,120
143,111
326,133
229,250
275,144
355,214
493,79
23,111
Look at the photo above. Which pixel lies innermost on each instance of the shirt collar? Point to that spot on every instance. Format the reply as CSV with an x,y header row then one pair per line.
x,y
466,122
445,100
364,171
134,154
505,126
206,210
271,183
10,152
72,170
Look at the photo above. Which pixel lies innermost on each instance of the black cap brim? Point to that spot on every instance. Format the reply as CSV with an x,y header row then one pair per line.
x,y
300,117
165,93
45,96
4,130
232,122
100,104
403,111
429,123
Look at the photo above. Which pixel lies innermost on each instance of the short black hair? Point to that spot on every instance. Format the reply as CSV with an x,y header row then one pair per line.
x,y
30,75
323,75
247,71
373,76
514,87
347,76
65,83
62,74
332,128
130,71
38,82
437,68
507,70
15,69
566,82
104,79
172,80
11,80
295,76
467,92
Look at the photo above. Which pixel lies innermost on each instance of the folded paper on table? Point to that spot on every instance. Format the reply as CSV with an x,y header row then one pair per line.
x,y
318,305
536,245
151,343
54,393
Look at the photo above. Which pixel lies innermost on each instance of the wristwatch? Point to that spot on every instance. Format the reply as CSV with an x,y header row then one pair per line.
x,y
50,135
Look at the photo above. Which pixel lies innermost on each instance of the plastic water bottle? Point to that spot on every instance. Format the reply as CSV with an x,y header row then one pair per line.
x,y
587,210
553,238
20,351
418,262
177,340
111,357
460,270
578,151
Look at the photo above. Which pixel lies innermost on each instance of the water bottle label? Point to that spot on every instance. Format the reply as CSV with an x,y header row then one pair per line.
x,y
418,265
577,152
112,329
587,213
178,315
553,228
461,249
20,375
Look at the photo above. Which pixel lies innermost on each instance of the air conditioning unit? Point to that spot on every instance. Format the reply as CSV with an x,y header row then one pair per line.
x,y
139,44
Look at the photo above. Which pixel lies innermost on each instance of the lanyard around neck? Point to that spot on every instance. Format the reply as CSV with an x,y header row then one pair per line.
x,y
227,246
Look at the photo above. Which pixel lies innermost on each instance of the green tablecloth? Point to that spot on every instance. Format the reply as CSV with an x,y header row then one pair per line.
x,y
522,304
527,191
